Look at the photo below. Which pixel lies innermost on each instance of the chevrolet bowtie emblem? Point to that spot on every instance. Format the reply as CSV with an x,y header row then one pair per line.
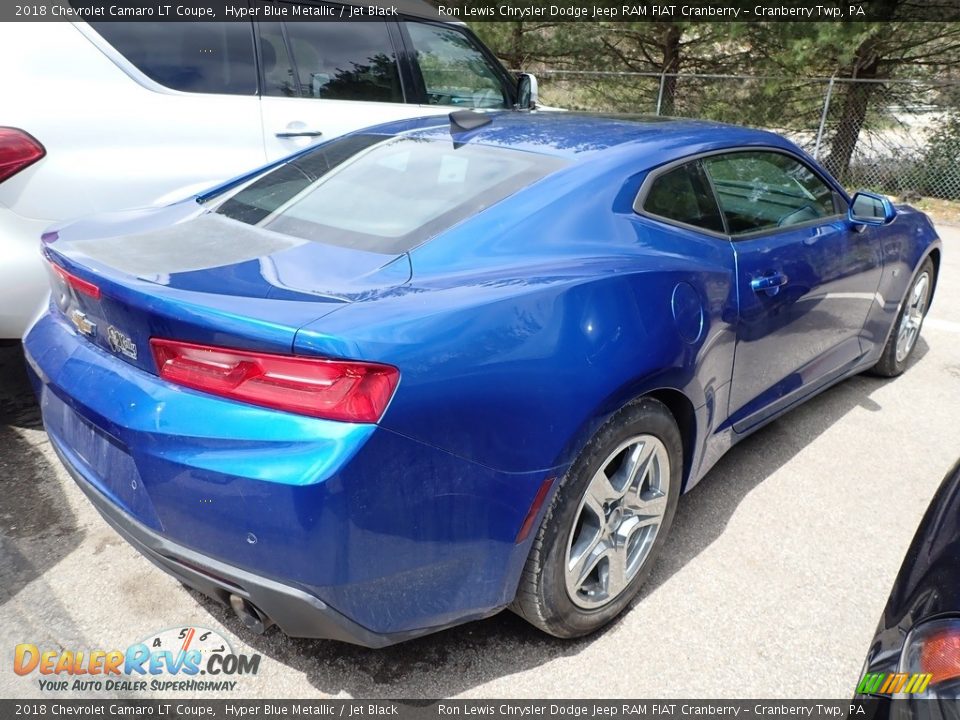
x,y
80,322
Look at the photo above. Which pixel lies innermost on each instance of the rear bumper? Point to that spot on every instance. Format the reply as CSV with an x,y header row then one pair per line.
x,y
296,612
335,530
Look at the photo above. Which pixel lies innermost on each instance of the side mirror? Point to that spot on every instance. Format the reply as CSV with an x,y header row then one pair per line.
x,y
527,94
870,209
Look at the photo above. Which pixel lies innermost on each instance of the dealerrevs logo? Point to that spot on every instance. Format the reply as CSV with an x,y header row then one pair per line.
x,y
179,659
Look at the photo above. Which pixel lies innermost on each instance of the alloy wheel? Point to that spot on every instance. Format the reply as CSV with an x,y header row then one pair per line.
x,y
617,522
912,318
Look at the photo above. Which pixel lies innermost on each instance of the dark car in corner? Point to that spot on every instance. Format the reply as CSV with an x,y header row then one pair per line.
x,y
913,664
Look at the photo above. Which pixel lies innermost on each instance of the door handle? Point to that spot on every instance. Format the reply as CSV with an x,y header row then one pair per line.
x,y
769,284
299,133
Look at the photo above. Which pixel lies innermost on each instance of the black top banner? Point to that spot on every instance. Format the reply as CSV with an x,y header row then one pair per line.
x,y
472,11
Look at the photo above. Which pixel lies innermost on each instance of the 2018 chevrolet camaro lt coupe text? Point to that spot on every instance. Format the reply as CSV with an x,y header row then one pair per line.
x,y
434,369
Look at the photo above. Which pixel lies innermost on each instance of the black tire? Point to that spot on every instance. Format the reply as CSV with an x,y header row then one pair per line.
x,y
542,596
889,365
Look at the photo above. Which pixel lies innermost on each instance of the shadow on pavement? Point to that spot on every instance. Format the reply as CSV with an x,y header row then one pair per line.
x,y
456,660
18,404
37,527
703,513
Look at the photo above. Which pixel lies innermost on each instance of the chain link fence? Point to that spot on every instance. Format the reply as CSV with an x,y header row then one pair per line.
x,y
899,137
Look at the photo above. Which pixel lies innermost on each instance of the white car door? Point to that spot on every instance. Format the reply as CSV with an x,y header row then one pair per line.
x,y
186,116
320,80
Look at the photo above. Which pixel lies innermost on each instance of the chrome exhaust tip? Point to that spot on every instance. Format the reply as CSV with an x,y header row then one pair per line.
x,y
253,618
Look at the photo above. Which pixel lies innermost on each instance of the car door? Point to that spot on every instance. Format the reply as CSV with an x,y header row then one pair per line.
x,y
320,80
806,279
186,117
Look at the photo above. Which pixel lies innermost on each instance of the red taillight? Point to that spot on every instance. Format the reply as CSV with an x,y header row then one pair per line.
x,y
332,389
17,151
87,288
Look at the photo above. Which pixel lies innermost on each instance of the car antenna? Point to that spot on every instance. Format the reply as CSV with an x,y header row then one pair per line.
x,y
464,120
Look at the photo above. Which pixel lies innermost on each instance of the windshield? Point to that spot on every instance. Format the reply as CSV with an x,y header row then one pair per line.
x,y
383,194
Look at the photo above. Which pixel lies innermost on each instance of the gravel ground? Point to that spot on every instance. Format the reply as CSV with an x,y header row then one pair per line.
x,y
771,585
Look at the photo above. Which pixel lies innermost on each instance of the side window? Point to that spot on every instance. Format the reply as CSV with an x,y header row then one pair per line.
x,y
342,61
278,76
683,194
760,190
455,71
203,57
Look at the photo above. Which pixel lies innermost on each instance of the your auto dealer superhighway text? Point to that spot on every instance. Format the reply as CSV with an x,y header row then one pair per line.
x,y
656,11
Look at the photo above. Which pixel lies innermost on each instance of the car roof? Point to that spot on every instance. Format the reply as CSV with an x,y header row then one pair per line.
x,y
575,135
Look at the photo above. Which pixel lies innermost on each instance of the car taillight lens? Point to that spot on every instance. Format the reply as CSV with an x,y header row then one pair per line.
x,y
333,389
17,151
87,288
933,648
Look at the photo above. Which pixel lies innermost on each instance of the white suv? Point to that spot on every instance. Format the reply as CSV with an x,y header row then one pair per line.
x,y
109,115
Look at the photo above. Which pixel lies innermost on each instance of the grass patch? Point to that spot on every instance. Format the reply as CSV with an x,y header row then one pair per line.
x,y
941,211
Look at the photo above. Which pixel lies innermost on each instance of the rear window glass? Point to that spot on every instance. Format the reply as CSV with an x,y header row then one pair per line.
x,y
684,195
383,194
203,57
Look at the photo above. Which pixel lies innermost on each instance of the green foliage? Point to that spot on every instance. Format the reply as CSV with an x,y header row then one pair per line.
x,y
800,49
777,81
938,172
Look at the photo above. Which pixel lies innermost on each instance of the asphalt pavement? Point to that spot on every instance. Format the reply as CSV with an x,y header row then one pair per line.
x,y
771,584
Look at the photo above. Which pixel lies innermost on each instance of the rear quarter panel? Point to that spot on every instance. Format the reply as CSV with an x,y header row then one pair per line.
x,y
524,329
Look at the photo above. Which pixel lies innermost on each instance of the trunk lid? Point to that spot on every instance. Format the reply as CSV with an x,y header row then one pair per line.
x,y
184,273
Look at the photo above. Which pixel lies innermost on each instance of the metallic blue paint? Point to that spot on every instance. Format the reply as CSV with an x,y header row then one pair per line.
x,y
517,333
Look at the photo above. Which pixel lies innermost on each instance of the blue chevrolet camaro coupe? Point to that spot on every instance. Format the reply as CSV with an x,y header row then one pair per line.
x,y
420,373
